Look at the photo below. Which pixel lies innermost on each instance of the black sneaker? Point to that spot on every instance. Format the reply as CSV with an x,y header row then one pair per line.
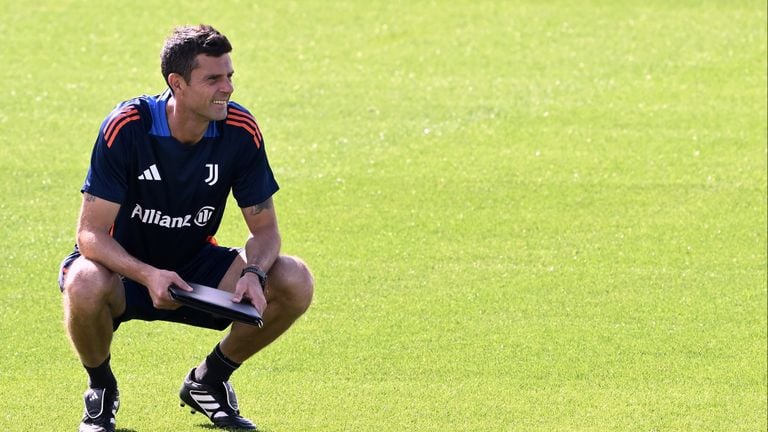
x,y
101,405
218,403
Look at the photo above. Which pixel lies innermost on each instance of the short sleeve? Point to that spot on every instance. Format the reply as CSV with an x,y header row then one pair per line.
x,y
255,182
108,173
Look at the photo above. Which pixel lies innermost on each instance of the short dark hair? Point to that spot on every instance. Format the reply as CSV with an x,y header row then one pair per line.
x,y
185,44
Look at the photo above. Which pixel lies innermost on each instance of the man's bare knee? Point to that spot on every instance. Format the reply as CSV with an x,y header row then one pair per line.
x,y
89,281
293,283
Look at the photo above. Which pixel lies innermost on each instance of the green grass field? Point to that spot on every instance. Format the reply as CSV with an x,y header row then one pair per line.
x,y
522,216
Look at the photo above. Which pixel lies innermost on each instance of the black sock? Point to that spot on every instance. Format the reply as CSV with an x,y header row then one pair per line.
x,y
218,368
101,376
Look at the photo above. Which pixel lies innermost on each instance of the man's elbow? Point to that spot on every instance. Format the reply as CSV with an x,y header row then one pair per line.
x,y
87,242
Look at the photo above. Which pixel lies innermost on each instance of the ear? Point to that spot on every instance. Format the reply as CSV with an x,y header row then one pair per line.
x,y
176,81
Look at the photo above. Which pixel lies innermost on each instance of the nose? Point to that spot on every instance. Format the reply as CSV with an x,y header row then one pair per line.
x,y
228,86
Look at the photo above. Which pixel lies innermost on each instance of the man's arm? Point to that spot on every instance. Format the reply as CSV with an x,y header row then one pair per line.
x,y
95,243
261,250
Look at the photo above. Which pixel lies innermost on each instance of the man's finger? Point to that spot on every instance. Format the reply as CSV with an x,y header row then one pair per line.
x,y
237,297
179,283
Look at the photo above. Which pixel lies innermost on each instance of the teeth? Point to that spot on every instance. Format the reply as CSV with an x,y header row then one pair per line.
x,y
220,102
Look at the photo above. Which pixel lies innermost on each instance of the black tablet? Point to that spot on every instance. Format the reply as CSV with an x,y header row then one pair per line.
x,y
216,302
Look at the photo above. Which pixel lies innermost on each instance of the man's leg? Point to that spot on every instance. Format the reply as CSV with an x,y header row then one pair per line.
x,y
289,293
93,297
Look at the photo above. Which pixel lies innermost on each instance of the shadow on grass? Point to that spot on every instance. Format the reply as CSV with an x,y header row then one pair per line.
x,y
201,426
212,427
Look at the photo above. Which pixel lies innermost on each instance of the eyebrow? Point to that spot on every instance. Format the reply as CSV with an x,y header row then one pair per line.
x,y
229,74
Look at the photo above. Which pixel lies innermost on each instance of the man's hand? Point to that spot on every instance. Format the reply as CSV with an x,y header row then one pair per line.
x,y
249,287
97,216
158,284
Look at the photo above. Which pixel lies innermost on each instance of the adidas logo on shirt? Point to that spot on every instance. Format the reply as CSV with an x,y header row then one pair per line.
x,y
150,173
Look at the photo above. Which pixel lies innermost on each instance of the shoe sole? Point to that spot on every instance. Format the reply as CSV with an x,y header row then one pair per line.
x,y
192,410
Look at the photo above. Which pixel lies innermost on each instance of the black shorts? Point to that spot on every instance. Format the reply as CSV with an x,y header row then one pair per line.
x,y
207,268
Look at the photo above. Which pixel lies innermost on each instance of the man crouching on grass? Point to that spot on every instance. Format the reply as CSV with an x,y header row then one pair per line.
x,y
161,170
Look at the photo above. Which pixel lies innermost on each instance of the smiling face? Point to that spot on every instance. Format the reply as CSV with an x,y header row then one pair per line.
x,y
204,98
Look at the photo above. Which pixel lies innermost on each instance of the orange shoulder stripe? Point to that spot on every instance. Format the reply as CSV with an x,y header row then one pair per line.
x,y
242,117
233,109
247,127
117,117
119,126
114,125
236,117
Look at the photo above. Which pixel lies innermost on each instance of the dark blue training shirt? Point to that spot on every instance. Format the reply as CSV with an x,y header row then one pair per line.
x,y
172,195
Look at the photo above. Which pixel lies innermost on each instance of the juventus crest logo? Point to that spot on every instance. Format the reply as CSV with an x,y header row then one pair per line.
x,y
213,174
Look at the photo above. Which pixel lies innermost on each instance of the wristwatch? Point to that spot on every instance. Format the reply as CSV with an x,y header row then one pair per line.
x,y
258,272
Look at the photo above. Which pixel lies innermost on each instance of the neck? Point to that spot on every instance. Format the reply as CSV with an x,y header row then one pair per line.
x,y
185,126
